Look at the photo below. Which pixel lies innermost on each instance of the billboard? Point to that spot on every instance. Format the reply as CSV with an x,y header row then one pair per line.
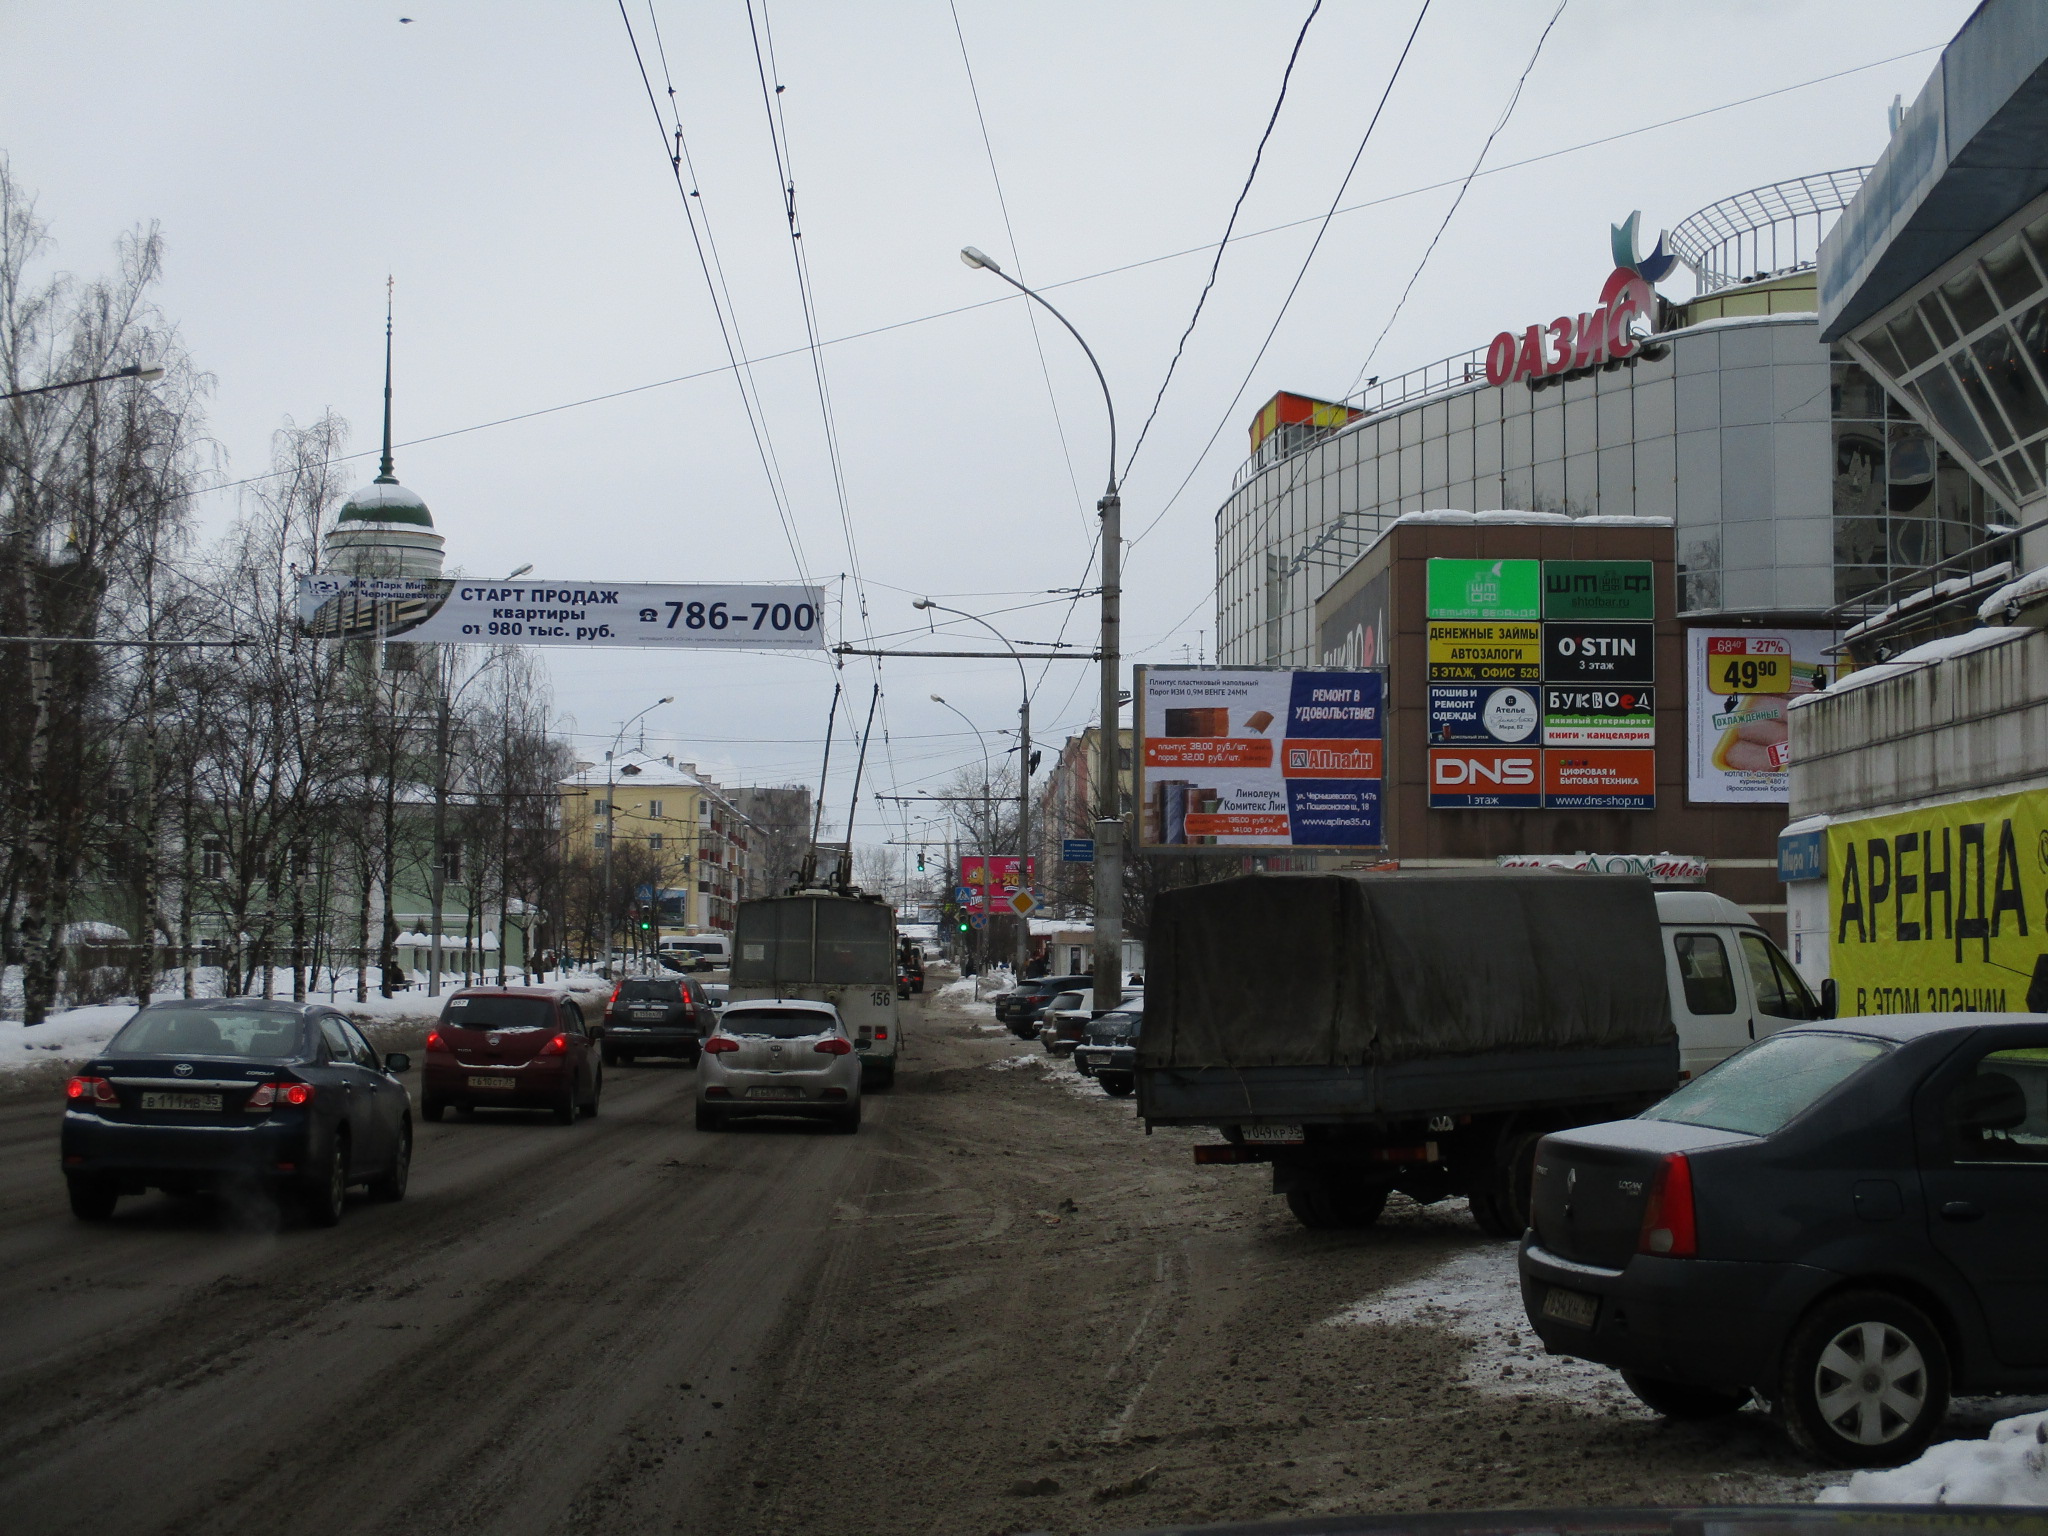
x,y
1940,910
1599,717
1490,651
1738,682
1243,758
1599,653
989,881
1598,589
1484,589
576,613
1479,712
1485,778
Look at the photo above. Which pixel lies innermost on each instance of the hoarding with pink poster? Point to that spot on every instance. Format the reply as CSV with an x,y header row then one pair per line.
x,y
1738,682
1240,758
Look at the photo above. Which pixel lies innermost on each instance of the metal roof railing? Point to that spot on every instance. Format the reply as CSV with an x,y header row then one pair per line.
x,y
1764,232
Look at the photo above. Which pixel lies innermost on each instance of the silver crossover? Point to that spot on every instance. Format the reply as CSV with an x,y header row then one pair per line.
x,y
779,1056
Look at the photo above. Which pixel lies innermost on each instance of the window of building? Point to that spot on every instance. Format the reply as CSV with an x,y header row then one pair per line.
x,y
598,840
654,809
604,807
451,864
654,840
213,859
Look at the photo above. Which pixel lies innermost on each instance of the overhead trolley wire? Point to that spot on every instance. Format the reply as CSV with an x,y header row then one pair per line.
x,y
756,421
1229,227
1463,187
1321,229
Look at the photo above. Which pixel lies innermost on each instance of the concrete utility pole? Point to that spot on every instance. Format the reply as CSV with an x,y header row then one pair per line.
x,y
1109,820
1023,947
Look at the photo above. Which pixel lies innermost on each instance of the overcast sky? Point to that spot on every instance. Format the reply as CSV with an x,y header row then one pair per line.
x,y
502,162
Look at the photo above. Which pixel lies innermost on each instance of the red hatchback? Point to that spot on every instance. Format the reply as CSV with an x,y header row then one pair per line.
x,y
511,1048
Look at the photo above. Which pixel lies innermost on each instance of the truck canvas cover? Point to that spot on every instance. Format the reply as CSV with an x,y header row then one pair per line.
x,y
1322,971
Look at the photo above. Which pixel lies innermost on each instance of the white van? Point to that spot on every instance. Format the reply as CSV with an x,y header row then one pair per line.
x,y
714,947
1729,983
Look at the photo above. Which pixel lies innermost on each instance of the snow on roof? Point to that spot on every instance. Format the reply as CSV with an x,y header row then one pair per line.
x,y
2013,596
634,768
1934,594
93,933
1933,653
1511,517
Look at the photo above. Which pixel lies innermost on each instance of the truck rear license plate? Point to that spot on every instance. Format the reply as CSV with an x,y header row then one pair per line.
x,y
775,1093
1574,1307
1273,1133
493,1082
194,1101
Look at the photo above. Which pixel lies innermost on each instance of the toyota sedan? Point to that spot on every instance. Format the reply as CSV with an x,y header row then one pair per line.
x,y
779,1056
199,1097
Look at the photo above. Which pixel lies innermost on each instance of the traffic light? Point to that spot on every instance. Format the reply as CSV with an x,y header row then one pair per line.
x,y
963,925
920,861
645,925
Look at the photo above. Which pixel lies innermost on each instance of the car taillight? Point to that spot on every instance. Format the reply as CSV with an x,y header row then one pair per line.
x,y
559,1046
280,1096
833,1045
613,999
435,1042
719,1043
95,1092
1668,1229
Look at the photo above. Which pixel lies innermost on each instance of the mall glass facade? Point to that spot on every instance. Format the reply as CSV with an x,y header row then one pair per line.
x,y
1792,486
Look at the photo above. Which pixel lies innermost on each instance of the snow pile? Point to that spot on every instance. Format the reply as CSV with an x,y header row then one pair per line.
x,y
961,996
2008,600
1475,1296
1012,1063
72,1036
2008,1467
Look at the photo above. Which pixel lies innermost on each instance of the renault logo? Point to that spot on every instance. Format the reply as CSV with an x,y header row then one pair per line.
x,y
183,1069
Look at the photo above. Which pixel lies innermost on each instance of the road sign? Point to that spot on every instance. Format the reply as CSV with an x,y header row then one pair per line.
x,y
1022,903
1077,850
978,919
963,894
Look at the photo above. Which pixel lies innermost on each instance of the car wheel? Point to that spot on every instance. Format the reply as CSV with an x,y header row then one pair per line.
x,y
1485,1207
1116,1086
1683,1400
1864,1381
392,1185
326,1190
690,1058
432,1109
1324,1206
566,1109
1083,1066
91,1199
465,1111
609,1054
596,1093
879,1075
709,1119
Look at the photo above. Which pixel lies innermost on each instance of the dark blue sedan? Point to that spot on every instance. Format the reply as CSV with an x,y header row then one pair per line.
x,y
198,1096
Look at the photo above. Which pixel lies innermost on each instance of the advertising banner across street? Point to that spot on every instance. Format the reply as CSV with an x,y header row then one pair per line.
x,y
576,613
1247,758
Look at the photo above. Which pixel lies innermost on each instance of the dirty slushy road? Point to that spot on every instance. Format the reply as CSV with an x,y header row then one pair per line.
x,y
1000,1307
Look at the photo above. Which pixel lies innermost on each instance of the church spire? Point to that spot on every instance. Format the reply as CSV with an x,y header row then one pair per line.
x,y
385,474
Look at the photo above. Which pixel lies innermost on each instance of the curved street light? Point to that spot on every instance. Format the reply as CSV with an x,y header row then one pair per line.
x,y
980,840
1109,820
1023,767
610,820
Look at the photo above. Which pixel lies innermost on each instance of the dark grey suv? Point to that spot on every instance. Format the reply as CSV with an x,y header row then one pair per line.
x,y
1848,1220
657,1016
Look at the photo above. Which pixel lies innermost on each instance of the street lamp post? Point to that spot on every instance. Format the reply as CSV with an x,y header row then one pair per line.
x,y
1109,820
1023,771
132,371
611,823
987,809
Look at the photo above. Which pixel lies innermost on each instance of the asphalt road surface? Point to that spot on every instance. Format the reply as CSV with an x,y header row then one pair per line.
x,y
1000,1307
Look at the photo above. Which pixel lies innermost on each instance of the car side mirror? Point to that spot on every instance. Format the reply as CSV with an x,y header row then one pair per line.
x,y
397,1062
1829,998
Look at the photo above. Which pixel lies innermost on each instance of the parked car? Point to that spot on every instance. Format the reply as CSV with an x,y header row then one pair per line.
x,y
194,1097
511,1048
1064,1023
656,1016
779,1056
1022,1004
1109,1051
1848,1219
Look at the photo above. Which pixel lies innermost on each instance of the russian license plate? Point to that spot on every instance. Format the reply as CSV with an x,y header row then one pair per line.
x,y
194,1101
494,1082
1574,1307
1273,1133
775,1093
649,1013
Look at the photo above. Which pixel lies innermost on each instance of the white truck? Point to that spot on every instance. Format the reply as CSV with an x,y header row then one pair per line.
x,y
826,947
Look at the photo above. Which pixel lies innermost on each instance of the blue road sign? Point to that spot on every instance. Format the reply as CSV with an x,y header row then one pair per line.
x,y
978,919
1077,850
963,895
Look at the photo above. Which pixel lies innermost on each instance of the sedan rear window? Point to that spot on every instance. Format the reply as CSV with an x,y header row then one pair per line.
x,y
775,1023
499,1013
253,1033
1759,1090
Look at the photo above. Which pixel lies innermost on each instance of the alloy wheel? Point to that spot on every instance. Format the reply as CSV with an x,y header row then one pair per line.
x,y
1871,1383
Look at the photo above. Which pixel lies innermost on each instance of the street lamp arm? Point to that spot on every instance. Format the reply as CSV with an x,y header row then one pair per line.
x,y
986,265
1008,649
132,371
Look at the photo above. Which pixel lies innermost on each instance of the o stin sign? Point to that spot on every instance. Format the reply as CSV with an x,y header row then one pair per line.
x,y
1543,351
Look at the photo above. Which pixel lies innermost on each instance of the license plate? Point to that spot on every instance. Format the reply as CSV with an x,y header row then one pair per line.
x,y
1574,1307
1271,1133
193,1101
649,1013
494,1082
775,1093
